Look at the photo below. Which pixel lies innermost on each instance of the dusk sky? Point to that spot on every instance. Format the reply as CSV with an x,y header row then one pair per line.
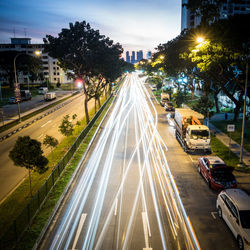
x,y
136,24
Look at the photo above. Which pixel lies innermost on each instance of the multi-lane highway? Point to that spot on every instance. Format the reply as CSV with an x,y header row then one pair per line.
x,y
11,175
125,196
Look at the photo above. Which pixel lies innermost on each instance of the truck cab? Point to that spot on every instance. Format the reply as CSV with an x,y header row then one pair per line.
x,y
198,137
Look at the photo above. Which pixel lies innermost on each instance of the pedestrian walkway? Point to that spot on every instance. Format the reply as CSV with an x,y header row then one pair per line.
x,y
234,146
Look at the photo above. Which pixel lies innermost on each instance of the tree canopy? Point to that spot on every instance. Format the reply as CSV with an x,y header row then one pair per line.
x,y
88,55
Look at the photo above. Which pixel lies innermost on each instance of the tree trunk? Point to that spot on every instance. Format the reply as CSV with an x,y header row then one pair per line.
x,y
86,108
236,112
105,90
99,102
30,183
216,102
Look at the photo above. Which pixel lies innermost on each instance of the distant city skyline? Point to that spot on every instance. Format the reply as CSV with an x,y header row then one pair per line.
x,y
136,25
136,56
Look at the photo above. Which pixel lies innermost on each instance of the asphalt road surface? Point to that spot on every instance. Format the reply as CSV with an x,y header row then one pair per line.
x,y
11,175
125,196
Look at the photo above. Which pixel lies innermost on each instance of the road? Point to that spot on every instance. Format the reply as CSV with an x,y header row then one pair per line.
x,y
11,175
125,196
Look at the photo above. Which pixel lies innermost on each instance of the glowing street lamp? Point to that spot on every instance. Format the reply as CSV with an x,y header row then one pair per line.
x,y
17,87
200,39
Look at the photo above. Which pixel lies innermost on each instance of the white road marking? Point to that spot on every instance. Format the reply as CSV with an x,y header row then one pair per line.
x,y
191,158
40,136
116,204
145,229
46,123
213,214
83,217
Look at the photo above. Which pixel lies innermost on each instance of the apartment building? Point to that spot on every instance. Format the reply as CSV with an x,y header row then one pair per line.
x,y
228,8
51,71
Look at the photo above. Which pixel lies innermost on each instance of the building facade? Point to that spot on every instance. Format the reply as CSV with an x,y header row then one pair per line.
x,y
51,71
228,8
127,57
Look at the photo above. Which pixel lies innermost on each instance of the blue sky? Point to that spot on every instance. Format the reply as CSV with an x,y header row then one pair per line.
x,y
140,24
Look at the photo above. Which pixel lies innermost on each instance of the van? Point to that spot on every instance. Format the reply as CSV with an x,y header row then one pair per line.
x,y
42,90
50,96
164,98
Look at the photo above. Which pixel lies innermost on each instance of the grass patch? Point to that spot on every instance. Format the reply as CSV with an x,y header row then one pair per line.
x,y
236,136
40,220
19,199
219,149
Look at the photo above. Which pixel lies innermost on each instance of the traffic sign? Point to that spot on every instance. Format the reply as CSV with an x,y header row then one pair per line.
x,y
230,128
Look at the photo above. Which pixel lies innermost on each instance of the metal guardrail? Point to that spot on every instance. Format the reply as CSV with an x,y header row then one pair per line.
x,y
23,221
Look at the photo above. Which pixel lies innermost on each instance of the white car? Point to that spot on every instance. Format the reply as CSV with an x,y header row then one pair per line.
x,y
234,207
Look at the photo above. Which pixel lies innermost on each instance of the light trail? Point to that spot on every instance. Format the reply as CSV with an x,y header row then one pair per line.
x,y
134,122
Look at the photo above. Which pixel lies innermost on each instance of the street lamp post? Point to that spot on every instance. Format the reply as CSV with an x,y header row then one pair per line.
x,y
244,118
17,88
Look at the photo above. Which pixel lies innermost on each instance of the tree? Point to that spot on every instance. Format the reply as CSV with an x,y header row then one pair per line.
x,y
50,141
27,153
85,52
25,63
204,105
66,127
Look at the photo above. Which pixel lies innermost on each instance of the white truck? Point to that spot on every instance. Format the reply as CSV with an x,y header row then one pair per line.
x,y
190,131
49,96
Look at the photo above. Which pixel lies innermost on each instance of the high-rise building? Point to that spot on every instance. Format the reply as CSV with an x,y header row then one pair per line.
x,y
149,54
132,57
139,55
228,8
127,57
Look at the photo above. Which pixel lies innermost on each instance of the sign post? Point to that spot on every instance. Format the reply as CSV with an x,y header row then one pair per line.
x,y
230,129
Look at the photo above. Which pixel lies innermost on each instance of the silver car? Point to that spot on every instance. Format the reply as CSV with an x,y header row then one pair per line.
x,y
234,207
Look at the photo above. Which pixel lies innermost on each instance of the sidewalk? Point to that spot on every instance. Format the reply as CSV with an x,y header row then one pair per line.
x,y
234,146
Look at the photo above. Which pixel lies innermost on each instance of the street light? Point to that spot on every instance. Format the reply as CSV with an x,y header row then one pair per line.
x,y
244,117
17,88
200,39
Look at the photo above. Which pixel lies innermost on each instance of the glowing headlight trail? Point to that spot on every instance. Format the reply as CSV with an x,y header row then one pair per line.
x,y
87,178
131,99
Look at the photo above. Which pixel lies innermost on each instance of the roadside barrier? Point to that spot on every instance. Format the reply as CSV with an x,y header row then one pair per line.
x,y
23,221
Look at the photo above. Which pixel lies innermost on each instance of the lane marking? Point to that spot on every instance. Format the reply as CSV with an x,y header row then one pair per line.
x,y
116,204
40,136
82,219
145,229
46,123
213,214
191,158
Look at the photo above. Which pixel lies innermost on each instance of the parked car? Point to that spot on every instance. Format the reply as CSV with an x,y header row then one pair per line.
x,y
169,106
234,208
42,90
153,87
12,100
217,174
